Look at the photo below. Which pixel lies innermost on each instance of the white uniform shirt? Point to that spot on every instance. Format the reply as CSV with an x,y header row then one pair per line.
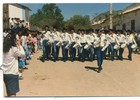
x,y
55,36
65,37
130,38
47,35
121,38
83,38
112,38
90,39
10,60
102,38
74,37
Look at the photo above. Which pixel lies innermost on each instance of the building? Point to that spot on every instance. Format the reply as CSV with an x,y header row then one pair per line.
x,y
126,19
15,11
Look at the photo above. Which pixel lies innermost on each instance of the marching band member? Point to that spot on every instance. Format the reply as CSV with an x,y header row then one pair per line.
x,y
81,49
90,40
65,39
99,44
45,44
122,41
73,39
130,44
112,38
56,43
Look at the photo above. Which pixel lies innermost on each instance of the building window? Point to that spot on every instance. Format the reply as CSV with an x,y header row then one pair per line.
x,y
123,27
132,24
114,27
135,13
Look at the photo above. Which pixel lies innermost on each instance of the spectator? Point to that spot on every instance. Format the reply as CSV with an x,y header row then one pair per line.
x,y
12,49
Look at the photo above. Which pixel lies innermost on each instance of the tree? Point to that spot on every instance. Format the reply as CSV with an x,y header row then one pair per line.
x,y
49,14
78,22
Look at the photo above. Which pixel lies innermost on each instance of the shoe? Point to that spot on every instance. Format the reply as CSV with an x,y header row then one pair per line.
x,y
25,68
112,59
20,78
99,69
26,63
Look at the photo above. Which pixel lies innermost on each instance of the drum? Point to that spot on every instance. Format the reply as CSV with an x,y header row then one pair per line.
x,y
116,47
86,46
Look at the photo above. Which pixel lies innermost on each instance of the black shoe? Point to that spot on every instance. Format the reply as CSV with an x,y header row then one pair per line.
x,y
43,60
112,59
99,69
26,63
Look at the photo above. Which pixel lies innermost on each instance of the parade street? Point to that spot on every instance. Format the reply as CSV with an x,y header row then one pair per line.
x,y
118,78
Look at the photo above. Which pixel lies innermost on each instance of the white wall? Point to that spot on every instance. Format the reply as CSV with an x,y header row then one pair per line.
x,y
126,19
15,12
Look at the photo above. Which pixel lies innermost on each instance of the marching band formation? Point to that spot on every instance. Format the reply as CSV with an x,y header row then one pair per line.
x,y
87,44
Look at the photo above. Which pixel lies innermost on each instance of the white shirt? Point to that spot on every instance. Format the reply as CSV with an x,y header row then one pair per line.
x,y
130,38
56,36
112,38
121,38
102,38
65,37
90,39
24,42
47,35
83,38
10,60
100,41
74,37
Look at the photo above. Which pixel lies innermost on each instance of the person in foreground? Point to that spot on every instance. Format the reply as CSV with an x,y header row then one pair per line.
x,y
12,49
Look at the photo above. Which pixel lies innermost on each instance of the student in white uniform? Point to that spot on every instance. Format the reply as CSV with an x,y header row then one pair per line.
x,y
55,47
99,44
81,49
122,42
112,38
90,40
73,39
130,41
65,40
45,44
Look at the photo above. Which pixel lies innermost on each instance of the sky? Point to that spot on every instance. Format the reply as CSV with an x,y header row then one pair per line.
x,y
70,9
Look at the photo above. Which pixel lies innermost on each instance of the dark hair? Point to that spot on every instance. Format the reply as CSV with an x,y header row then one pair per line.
x,y
9,41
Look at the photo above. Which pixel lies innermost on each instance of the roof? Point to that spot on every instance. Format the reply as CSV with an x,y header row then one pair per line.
x,y
20,6
132,7
107,14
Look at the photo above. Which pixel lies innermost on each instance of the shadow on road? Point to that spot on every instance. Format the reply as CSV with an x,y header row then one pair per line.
x,y
91,68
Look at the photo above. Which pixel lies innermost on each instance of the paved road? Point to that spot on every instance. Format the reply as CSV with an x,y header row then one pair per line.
x,y
118,78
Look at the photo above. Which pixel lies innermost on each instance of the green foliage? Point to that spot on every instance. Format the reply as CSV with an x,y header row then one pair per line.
x,y
78,22
50,15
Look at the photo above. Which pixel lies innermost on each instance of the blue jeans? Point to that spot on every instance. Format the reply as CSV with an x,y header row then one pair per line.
x,y
91,52
121,53
130,51
55,50
111,49
72,51
99,56
44,44
82,52
64,51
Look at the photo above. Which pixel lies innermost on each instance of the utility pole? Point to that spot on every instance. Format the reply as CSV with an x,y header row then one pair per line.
x,y
110,24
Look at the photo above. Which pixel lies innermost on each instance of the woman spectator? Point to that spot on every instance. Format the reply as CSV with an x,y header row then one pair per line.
x,y
12,49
